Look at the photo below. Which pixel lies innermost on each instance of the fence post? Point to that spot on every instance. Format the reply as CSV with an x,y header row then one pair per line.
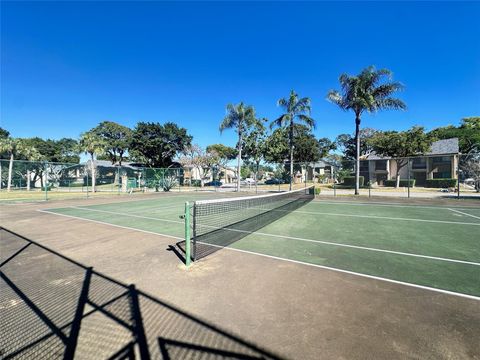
x,y
408,177
46,180
458,177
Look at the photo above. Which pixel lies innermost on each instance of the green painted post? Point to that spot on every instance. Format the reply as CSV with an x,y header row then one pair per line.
x,y
187,234
46,181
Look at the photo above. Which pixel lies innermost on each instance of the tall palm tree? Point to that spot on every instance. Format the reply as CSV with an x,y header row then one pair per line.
x,y
239,117
297,110
14,147
369,91
92,144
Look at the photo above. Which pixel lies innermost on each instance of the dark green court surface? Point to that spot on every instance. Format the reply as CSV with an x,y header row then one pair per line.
x,y
432,246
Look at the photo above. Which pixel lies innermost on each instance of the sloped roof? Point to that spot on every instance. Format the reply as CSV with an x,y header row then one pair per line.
x,y
446,146
440,147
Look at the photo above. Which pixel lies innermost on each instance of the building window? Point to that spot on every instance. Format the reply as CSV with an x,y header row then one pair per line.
x,y
419,163
381,165
441,160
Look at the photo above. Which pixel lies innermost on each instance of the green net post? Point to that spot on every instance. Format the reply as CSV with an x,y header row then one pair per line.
x,y
187,234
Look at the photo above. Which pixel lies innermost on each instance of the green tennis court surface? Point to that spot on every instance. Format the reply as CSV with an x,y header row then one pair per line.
x,y
437,247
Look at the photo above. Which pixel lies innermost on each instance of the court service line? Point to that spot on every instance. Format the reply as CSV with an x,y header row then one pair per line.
x,y
114,225
365,248
442,207
463,213
383,217
447,292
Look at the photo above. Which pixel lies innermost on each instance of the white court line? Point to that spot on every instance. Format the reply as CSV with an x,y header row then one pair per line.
x,y
320,201
453,293
105,223
124,214
463,213
364,248
288,260
384,217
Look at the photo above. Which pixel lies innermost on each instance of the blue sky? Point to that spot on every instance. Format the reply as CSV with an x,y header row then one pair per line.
x,y
66,66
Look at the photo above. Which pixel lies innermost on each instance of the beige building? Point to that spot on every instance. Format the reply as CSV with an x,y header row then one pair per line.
x,y
441,162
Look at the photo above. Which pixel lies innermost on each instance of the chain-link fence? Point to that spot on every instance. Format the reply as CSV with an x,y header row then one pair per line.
x,y
41,180
421,176
451,175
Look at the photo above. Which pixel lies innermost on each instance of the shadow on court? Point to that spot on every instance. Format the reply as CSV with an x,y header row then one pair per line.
x,y
54,307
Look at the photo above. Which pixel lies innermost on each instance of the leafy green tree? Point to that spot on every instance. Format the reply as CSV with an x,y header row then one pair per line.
x,y
306,150
347,145
468,133
239,117
325,146
156,145
401,144
297,110
254,144
4,133
92,144
116,138
221,155
64,150
369,91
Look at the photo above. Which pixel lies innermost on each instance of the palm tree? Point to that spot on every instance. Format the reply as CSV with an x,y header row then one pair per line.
x,y
14,147
369,91
90,143
296,109
239,117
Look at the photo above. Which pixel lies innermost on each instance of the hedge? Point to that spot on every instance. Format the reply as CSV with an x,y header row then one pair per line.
x,y
441,183
403,183
318,191
350,181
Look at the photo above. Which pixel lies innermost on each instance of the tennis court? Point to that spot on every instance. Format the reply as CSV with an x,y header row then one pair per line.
x,y
435,247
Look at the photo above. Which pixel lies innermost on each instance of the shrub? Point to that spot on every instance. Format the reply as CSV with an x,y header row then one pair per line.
x,y
168,183
441,183
318,191
403,183
350,181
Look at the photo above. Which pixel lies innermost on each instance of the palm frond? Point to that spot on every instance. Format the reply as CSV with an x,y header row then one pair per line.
x,y
280,121
391,104
307,120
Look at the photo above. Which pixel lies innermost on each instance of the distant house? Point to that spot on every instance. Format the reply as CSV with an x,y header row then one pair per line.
x,y
320,169
439,163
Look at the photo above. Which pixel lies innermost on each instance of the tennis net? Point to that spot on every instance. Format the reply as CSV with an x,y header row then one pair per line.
x,y
220,222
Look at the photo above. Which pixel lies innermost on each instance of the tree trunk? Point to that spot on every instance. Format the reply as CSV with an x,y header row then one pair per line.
x,y
291,153
357,160
10,170
28,180
239,159
1,181
397,180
